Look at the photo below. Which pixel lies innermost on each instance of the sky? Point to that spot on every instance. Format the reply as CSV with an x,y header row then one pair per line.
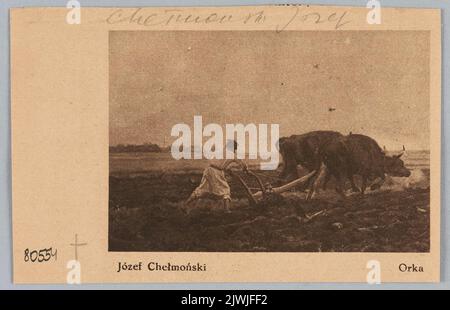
x,y
369,82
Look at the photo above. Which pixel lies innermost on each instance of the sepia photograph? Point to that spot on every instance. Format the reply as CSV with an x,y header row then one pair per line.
x,y
291,145
266,141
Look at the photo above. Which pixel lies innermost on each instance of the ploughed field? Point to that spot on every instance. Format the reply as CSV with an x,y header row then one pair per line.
x,y
145,213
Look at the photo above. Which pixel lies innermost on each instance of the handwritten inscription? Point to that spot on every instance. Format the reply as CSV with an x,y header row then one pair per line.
x,y
304,15
177,16
173,17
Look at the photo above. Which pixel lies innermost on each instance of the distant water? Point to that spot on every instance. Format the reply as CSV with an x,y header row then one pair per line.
x,y
140,162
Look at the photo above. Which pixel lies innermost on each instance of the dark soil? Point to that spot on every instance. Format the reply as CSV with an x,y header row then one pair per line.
x,y
145,214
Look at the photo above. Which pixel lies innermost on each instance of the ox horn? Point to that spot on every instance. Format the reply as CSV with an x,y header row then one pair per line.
x,y
401,154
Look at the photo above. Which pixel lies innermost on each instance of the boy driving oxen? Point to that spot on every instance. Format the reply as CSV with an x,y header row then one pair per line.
x,y
214,182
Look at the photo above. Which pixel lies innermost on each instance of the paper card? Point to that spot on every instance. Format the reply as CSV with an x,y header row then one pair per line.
x,y
226,144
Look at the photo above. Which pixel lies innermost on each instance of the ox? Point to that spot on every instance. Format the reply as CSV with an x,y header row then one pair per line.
x,y
306,150
332,154
357,154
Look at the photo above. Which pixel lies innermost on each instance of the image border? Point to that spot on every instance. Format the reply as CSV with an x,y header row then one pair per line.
x,y
5,154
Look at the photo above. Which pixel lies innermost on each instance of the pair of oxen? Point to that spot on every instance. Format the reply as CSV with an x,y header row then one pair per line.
x,y
332,154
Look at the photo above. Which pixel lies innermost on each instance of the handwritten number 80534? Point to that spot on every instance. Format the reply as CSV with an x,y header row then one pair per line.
x,y
40,256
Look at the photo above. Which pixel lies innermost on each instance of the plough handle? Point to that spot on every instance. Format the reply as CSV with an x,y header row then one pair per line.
x,y
250,197
260,183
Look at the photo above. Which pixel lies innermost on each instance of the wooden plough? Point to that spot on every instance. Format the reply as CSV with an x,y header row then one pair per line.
x,y
265,190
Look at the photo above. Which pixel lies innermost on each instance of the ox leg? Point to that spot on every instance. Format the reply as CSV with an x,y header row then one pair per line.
x,y
350,177
315,184
352,182
340,185
309,184
363,185
326,180
378,182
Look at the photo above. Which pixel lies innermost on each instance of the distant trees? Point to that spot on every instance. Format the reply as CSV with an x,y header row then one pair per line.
x,y
135,148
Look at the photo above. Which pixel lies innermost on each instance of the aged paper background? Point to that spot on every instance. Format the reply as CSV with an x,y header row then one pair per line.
x,y
59,99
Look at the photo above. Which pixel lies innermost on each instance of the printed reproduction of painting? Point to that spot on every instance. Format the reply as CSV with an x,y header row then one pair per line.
x,y
233,144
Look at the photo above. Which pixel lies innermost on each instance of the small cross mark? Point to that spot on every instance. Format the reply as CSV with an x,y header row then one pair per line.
x,y
76,245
